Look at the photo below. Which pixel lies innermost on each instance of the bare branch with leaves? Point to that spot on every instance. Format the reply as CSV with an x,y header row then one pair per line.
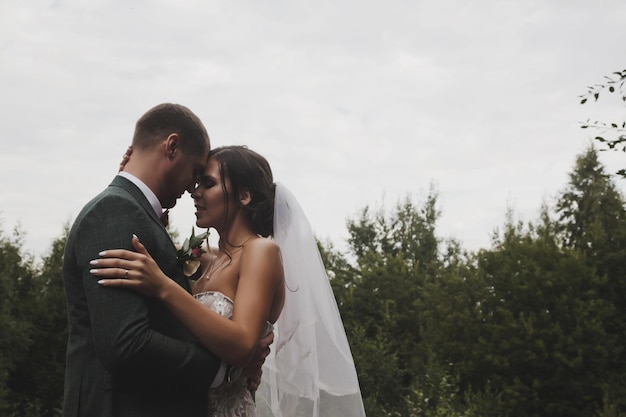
x,y
612,135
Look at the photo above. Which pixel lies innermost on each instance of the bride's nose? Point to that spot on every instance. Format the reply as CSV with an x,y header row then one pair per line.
x,y
193,190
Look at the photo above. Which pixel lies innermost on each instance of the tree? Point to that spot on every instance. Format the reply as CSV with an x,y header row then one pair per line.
x,y
16,328
592,219
542,341
591,215
552,317
381,293
36,315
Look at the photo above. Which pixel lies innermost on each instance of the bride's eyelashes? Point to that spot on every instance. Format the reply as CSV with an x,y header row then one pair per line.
x,y
206,182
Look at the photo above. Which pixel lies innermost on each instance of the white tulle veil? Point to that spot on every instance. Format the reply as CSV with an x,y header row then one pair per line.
x,y
310,370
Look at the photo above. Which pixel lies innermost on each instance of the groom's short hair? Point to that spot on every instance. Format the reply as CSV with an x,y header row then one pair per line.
x,y
164,119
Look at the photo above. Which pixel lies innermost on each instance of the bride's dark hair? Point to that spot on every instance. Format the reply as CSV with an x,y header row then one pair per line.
x,y
246,169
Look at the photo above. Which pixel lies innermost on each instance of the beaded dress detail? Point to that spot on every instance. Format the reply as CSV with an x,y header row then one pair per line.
x,y
229,399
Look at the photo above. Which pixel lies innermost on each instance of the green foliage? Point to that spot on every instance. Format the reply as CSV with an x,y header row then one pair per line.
x,y
34,330
380,293
591,209
16,331
533,326
192,246
598,230
542,339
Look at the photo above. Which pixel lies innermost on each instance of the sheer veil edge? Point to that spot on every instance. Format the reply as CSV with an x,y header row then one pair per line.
x,y
310,370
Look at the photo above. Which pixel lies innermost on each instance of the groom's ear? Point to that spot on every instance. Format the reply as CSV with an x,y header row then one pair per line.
x,y
172,145
245,197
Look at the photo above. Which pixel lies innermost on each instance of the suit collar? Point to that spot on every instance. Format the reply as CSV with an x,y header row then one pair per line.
x,y
137,194
147,192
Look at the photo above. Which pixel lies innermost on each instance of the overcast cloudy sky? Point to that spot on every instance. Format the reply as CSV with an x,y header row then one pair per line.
x,y
354,103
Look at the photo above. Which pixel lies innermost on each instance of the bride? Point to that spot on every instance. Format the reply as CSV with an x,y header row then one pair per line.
x,y
265,273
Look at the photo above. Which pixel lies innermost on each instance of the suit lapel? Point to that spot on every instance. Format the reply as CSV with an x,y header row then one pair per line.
x,y
136,193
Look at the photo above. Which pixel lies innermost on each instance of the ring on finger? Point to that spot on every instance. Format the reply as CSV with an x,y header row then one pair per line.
x,y
126,274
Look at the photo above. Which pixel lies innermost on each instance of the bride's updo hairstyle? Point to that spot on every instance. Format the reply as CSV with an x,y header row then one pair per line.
x,y
245,168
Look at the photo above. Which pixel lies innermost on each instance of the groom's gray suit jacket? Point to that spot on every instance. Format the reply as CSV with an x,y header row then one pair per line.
x,y
127,355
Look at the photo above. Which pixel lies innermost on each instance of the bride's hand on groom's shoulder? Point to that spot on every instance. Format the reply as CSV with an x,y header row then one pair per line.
x,y
133,270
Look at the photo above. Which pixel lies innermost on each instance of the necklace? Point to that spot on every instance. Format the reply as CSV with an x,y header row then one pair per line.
x,y
213,269
215,266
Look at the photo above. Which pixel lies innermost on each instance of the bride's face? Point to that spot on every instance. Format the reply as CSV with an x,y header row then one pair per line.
x,y
210,197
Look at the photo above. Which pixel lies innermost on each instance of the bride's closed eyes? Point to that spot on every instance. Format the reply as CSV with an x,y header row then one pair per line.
x,y
206,182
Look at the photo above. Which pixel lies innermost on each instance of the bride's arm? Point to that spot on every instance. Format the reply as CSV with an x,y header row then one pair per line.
x,y
233,340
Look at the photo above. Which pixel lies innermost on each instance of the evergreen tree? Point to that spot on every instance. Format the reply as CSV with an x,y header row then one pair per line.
x,y
16,328
33,381
591,210
592,220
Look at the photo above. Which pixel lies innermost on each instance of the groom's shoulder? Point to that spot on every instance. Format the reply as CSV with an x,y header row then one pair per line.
x,y
111,198
110,194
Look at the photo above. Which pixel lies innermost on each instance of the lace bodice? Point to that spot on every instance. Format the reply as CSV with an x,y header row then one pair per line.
x,y
217,302
223,306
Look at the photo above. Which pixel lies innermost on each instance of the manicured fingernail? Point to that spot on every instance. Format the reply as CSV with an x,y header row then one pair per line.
x,y
100,281
135,236
102,253
94,262
93,271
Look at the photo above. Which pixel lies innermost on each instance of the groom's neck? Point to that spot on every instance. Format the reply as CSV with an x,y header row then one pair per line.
x,y
149,169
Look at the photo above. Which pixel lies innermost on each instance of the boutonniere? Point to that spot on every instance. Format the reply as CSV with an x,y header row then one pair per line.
x,y
189,254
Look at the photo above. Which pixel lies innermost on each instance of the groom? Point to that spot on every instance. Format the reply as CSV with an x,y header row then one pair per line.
x,y
127,355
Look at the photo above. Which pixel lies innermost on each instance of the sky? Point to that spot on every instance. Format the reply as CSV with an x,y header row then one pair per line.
x,y
354,103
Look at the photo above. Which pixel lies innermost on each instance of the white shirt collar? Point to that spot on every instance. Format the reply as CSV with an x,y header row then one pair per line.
x,y
152,198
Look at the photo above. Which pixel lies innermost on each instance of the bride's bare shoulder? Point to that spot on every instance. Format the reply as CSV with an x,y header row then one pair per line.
x,y
262,244
262,251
